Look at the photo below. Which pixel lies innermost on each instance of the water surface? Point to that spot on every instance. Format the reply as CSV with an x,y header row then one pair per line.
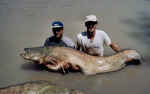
x,y
24,23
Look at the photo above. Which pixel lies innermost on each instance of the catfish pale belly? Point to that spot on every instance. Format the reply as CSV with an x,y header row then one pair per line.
x,y
37,87
88,64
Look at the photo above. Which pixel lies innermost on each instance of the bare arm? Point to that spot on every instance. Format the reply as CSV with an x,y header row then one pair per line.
x,y
115,47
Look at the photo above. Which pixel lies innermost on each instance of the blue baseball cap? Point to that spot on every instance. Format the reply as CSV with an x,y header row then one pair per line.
x,y
57,24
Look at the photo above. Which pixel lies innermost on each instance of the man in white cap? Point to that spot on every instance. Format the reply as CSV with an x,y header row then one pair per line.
x,y
92,40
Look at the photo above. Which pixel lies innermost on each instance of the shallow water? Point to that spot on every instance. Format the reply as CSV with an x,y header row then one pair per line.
x,y
24,23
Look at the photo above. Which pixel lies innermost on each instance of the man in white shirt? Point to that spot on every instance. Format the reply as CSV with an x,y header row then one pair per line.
x,y
92,40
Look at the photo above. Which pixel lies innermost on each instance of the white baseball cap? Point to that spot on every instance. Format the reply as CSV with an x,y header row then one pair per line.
x,y
90,18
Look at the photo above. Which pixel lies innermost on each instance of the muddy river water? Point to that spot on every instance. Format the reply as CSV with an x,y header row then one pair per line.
x,y
24,23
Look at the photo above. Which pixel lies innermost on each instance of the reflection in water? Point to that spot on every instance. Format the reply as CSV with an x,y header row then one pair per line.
x,y
32,66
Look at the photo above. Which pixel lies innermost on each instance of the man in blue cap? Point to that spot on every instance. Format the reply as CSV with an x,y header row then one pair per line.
x,y
58,39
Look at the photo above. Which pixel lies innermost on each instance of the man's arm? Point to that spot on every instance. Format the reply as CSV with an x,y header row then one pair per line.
x,y
69,42
78,42
46,43
78,46
115,47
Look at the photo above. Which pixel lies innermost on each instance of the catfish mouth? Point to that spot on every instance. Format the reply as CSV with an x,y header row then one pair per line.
x,y
23,54
27,57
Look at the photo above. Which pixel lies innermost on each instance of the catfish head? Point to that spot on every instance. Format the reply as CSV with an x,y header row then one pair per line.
x,y
34,54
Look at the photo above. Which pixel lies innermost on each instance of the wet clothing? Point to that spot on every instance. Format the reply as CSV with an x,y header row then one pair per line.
x,y
65,42
97,44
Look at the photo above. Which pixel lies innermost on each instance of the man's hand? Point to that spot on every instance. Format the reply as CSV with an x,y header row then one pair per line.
x,y
115,47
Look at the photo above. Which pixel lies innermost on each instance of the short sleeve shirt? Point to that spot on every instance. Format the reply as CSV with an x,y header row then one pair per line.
x,y
97,43
65,42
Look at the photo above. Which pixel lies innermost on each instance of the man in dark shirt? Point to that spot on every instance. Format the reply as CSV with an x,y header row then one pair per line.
x,y
58,39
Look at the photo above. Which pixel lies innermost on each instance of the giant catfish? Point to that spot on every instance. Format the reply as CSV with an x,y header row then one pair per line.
x,y
88,64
